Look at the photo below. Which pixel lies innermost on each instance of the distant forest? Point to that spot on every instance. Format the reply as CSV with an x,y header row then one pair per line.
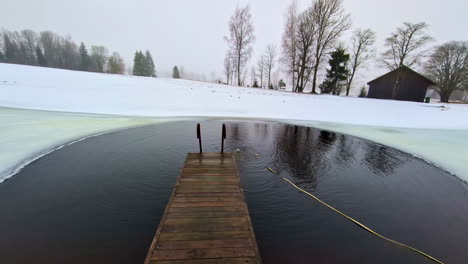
x,y
48,49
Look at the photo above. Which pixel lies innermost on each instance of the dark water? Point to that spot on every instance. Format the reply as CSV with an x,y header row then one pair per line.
x,y
100,200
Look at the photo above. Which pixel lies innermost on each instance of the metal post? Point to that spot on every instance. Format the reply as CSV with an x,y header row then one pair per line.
x,y
223,137
199,137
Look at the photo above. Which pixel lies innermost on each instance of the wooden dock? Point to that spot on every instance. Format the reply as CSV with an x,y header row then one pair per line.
x,y
206,220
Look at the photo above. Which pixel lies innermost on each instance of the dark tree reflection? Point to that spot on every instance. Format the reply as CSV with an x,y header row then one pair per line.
x,y
306,153
380,159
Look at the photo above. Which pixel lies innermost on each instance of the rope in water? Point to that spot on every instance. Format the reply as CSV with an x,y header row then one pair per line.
x,y
360,224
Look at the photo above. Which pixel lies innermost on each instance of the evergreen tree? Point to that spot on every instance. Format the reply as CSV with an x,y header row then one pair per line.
x,y
139,64
149,68
363,92
337,73
175,73
41,60
255,84
281,84
2,57
84,58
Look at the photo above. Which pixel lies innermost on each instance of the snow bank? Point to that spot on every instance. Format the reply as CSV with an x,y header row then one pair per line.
x,y
435,132
72,91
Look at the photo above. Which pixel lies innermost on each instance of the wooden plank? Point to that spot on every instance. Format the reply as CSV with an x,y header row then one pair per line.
x,y
208,261
202,253
197,227
186,178
207,209
205,215
209,195
208,175
204,204
178,199
206,219
207,190
228,243
191,236
209,183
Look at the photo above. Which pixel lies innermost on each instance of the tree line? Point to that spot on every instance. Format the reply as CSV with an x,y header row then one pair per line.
x,y
312,44
48,49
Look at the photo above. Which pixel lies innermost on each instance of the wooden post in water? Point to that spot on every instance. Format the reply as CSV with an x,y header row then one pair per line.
x,y
199,137
223,137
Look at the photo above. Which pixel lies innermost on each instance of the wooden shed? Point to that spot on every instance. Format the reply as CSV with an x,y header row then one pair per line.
x,y
401,84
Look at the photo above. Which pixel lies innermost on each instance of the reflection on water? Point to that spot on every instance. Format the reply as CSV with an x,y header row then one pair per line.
x,y
100,200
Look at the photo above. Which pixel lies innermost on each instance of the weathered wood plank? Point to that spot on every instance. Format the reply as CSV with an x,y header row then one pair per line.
x,y
202,253
206,199
207,209
182,236
206,220
186,178
208,174
209,182
196,227
207,190
208,261
209,204
206,215
228,243
209,195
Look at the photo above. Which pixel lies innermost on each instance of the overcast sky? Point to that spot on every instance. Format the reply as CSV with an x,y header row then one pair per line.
x,y
190,32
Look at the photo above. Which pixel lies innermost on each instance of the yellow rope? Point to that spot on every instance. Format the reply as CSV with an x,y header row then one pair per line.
x,y
362,225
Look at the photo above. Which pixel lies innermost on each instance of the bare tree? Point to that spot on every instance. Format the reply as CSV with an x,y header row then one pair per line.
x,y
253,76
261,69
28,46
115,64
289,44
305,37
361,51
241,38
98,58
270,61
51,44
448,67
331,20
181,72
228,68
406,46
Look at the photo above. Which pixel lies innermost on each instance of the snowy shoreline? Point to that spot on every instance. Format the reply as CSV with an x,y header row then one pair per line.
x,y
73,105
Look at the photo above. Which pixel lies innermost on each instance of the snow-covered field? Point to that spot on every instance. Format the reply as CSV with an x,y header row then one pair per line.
x,y
422,128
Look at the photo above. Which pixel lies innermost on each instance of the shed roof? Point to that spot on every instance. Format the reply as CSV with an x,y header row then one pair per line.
x,y
401,68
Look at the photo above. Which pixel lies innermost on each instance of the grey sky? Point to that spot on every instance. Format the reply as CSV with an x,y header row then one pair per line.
x,y
190,32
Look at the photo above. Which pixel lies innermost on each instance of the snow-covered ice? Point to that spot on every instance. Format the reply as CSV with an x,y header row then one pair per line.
x,y
423,129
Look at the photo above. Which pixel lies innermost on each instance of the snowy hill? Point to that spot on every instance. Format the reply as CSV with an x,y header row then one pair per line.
x,y
72,91
81,104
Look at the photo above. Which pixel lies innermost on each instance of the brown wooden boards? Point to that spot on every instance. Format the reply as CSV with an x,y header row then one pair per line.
x,y
206,219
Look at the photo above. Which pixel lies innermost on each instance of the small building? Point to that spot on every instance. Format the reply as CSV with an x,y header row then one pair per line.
x,y
412,85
